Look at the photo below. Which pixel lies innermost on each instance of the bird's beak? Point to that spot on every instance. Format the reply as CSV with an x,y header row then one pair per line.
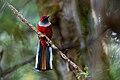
x,y
47,17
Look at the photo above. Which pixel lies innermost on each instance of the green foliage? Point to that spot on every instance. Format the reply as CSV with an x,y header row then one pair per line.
x,y
84,75
18,40
114,59
86,68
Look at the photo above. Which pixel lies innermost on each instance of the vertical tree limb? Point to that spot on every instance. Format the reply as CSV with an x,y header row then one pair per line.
x,y
77,22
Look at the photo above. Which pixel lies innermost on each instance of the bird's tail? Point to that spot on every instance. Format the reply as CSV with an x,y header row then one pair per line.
x,y
43,58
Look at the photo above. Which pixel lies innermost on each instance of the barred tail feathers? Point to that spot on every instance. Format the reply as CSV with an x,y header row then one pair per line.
x,y
43,58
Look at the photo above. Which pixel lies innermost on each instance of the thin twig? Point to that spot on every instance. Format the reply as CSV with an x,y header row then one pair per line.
x,y
15,67
25,4
2,7
42,35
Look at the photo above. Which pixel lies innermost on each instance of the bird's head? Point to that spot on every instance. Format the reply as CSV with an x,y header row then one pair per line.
x,y
44,18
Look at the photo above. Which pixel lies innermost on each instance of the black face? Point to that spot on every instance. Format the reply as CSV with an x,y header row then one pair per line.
x,y
45,20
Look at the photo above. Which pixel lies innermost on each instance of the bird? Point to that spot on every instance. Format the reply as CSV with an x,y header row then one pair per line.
x,y
44,51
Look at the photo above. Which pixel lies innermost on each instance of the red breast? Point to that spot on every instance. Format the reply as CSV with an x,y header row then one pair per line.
x,y
45,29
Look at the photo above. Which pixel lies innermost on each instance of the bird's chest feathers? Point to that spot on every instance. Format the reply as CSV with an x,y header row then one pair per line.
x,y
44,27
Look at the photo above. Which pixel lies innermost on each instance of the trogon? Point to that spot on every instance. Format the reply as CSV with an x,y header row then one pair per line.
x,y
44,51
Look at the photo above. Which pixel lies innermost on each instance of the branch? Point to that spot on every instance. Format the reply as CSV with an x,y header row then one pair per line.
x,y
13,68
42,35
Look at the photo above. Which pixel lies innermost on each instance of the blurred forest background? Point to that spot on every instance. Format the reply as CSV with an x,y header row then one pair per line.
x,y
87,31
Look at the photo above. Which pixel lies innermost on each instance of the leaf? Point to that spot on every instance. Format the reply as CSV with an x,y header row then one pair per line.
x,y
82,74
86,68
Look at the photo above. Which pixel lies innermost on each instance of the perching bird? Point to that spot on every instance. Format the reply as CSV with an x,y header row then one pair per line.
x,y
44,51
